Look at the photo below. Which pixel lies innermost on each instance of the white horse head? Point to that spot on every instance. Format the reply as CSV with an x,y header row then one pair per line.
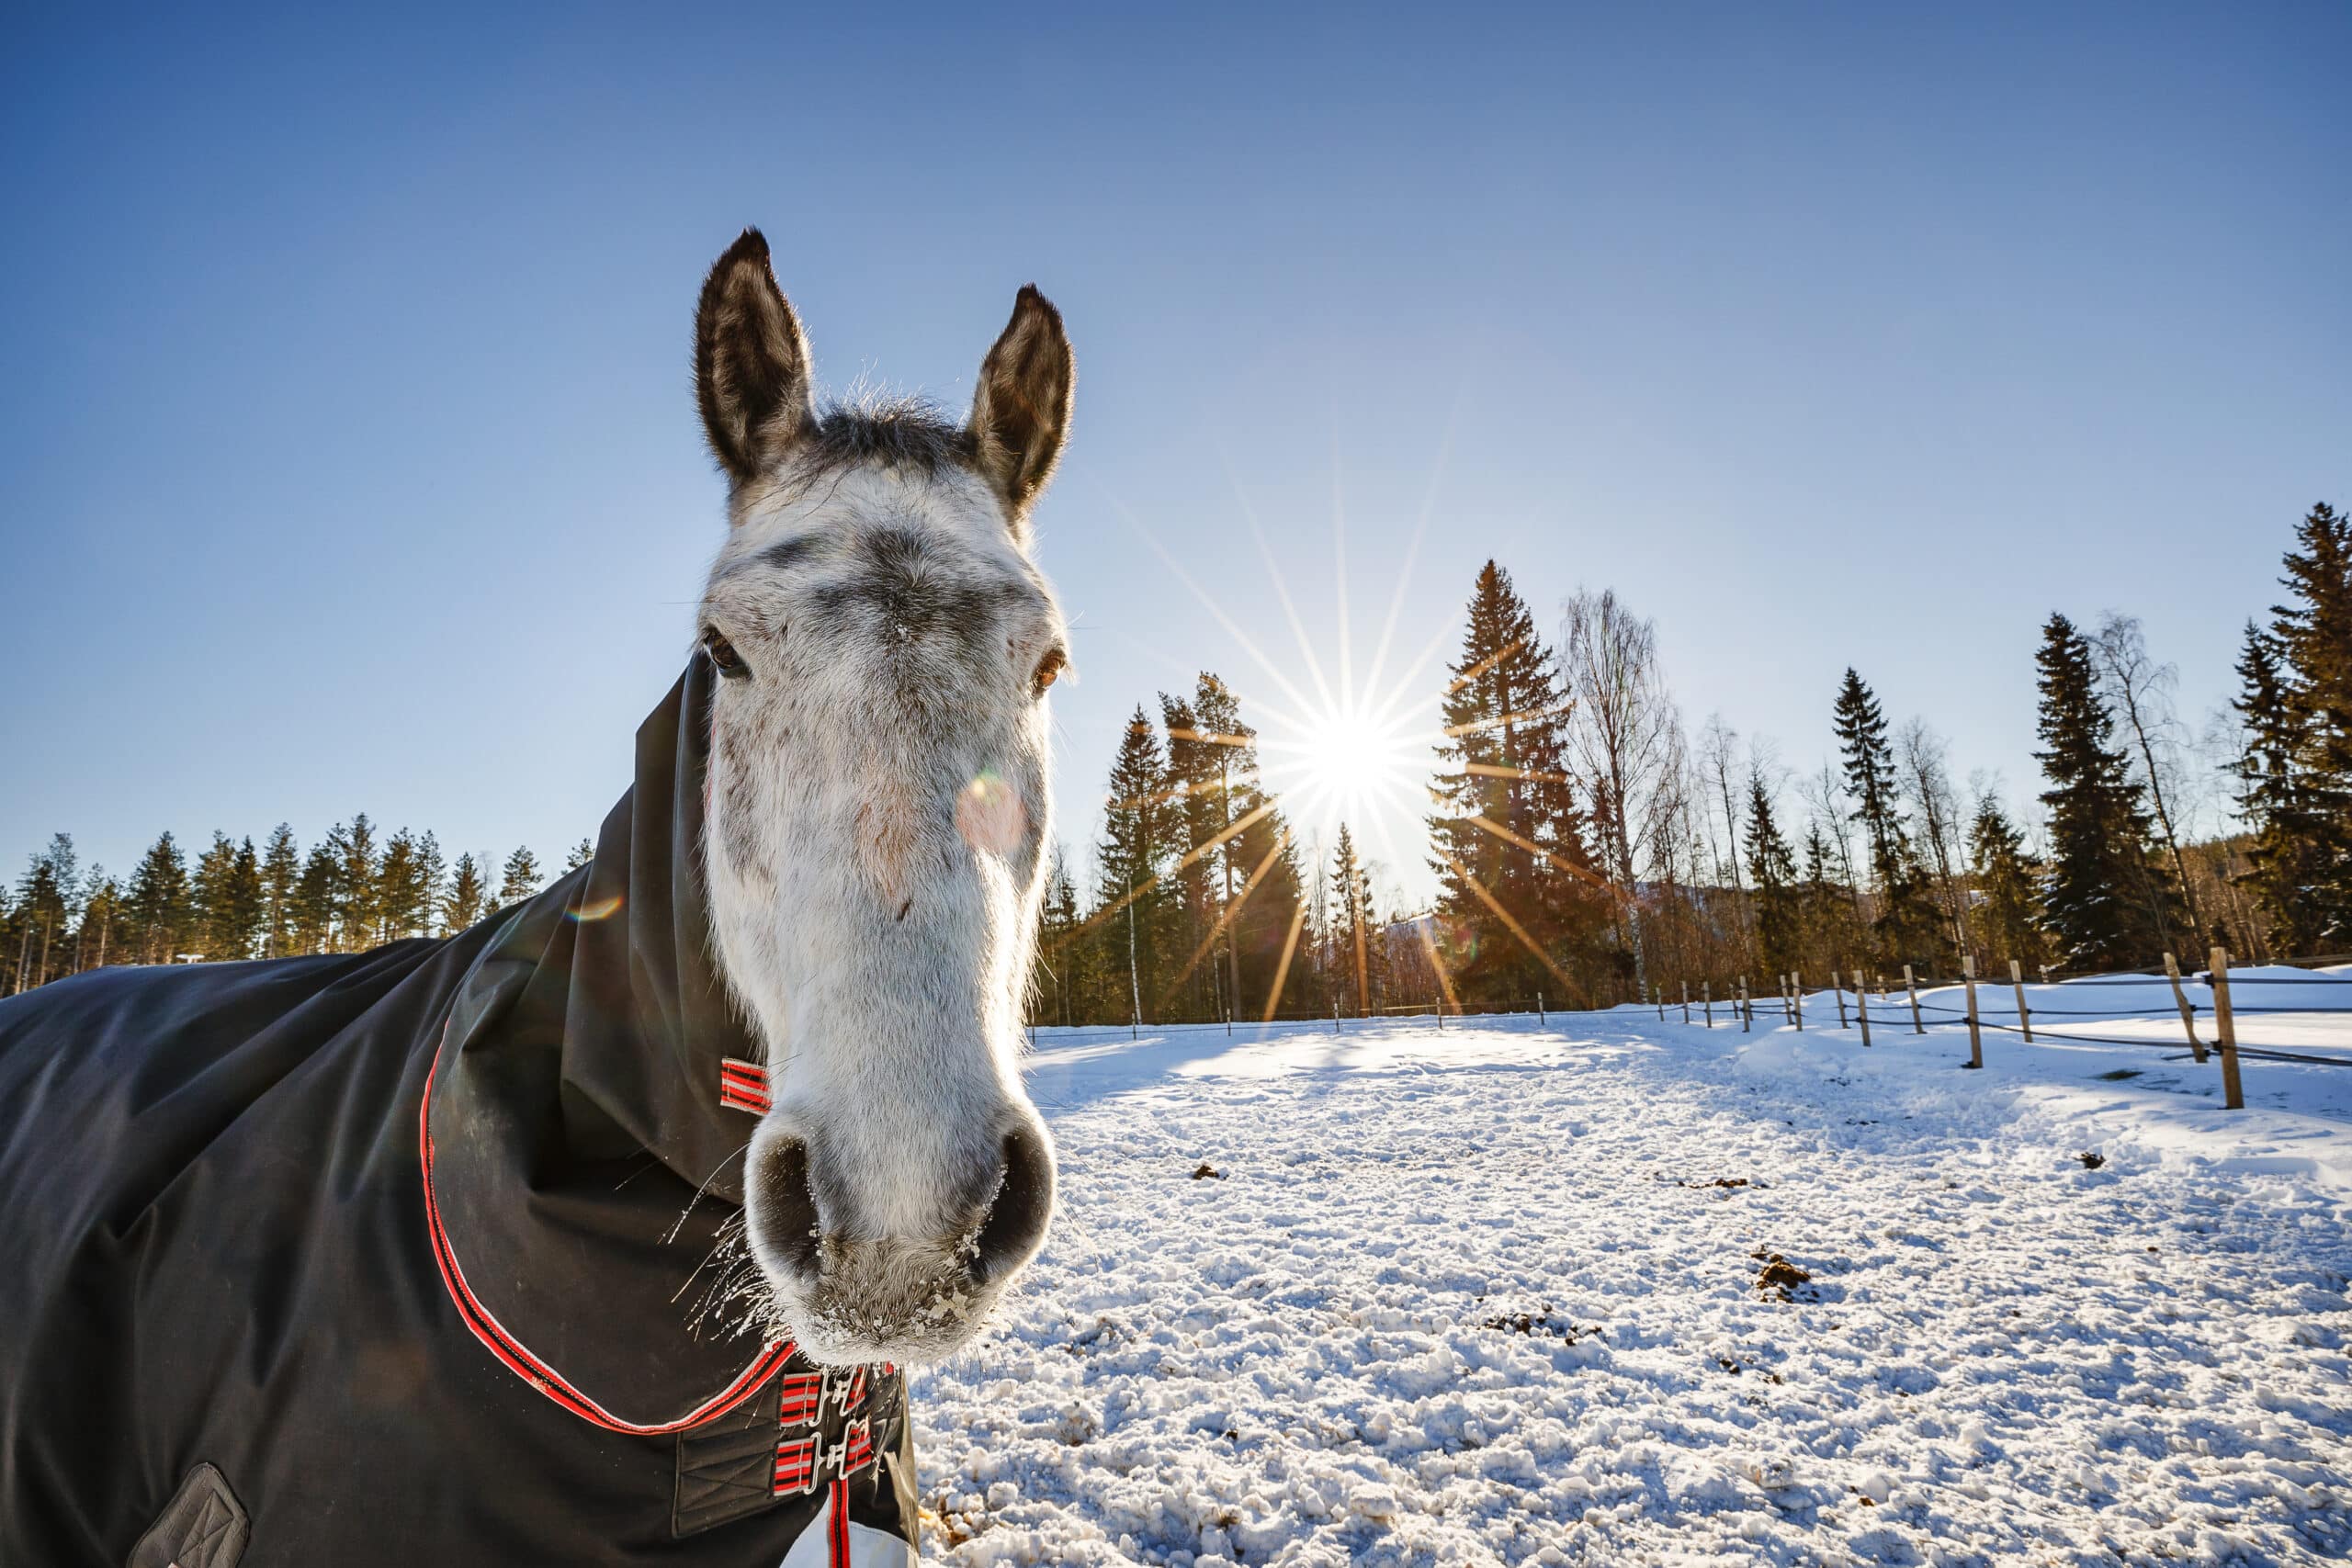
x,y
878,804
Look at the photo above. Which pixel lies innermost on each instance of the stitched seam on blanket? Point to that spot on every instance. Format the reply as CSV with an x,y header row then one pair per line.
x,y
517,1356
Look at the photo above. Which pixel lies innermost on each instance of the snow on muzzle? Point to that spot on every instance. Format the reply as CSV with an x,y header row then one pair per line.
x,y
851,1290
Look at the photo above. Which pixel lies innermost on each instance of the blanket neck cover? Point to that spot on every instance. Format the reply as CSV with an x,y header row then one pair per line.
x,y
400,1256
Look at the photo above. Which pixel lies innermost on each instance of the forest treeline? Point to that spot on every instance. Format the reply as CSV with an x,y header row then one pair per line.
x,y
354,889
1588,846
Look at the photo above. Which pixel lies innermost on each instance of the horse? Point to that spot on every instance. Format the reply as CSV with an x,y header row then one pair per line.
x,y
604,1230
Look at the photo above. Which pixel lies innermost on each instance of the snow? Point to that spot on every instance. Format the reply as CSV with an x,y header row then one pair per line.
x,y
1489,1294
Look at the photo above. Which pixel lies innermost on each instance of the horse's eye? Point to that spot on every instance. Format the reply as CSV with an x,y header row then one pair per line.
x,y
1048,668
723,655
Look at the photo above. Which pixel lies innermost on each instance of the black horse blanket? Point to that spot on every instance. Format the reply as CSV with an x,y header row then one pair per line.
x,y
394,1257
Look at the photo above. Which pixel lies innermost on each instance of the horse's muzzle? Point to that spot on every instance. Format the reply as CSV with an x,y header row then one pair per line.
x,y
849,1295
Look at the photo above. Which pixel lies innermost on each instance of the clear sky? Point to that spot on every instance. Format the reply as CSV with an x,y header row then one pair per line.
x,y
349,461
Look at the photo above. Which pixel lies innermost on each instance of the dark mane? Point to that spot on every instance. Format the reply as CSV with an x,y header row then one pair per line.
x,y
909,431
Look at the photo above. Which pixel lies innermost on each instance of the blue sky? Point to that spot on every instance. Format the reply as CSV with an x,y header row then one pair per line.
x,y
347,459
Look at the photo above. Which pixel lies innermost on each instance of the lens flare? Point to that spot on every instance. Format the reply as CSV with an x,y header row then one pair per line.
x,y
990,815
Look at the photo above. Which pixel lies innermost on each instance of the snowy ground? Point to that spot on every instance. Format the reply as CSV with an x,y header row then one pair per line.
x,y
1492,1295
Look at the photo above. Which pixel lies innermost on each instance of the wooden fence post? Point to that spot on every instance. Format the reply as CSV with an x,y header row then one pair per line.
x,y
1862,1010
1839,992
1541,1021
1657,994
1685,1001
1796,999
2017,983
2225,1031
1707,1000
1976,1040
1912,985
1746,1009
2180,999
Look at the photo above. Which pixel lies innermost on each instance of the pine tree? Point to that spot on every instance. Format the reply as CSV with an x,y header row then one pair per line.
x,y
467,899
157,909
432,884
2287,858
520,878
578,855
318,895
409,887
1780,910
1906,921
101,933
281,873
44,913
1135,900
1514,867
210,898
2009,915
2314,637
2108,902
359,908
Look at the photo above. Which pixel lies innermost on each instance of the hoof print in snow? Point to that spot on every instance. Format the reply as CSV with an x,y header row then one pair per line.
x,y
1779,1274
1204,1171
2091,1161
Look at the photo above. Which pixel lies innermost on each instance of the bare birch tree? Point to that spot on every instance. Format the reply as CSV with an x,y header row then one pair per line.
x,y
1622,733
2139,693
1924,757
1719,759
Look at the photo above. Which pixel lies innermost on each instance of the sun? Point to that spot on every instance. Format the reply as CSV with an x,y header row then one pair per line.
x,y
1340,760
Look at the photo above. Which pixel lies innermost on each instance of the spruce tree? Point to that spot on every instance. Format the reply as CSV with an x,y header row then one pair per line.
x,y
1199,810
468,898
1507,831
579,854
1833,925
2008,912
1258,876
1906,921
1360,938
2313,635
520,877
1135,900
2286,857
1057,986
157,909
2108,902
281,873
1771,865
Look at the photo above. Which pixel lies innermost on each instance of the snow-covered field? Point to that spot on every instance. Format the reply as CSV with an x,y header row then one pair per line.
x,y
1522,1294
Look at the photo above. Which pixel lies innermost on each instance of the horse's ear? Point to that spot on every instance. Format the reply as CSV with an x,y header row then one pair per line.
x,y
1021,407
750,361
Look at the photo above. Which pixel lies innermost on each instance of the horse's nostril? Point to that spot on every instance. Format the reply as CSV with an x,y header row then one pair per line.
x,y
787,1208
1016,1222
